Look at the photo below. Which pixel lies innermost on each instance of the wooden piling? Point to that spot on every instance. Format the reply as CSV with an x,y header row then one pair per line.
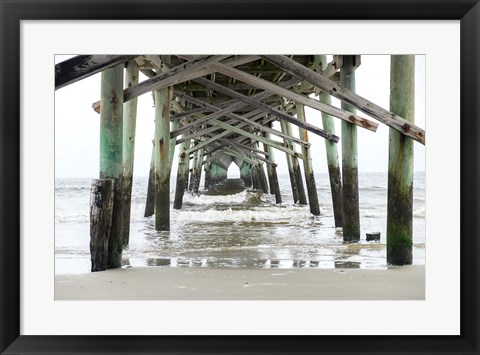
x,y
334,174
351,214
101,209
182,172
198,171
400,163
307,165
129,125
272,170
302,197
150,202
208,174
263,178
111,141
291,173
162,159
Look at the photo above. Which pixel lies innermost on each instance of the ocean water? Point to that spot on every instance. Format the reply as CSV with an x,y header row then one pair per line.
x,y
237,231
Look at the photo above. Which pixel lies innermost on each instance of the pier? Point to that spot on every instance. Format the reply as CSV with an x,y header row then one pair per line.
x,y
212,111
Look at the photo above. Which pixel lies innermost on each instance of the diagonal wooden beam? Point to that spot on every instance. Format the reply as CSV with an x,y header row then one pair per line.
x,y
267,108
261,139
226,111
254,116
390,119
177,75
241,155
307,101
236,144
83,66
247,121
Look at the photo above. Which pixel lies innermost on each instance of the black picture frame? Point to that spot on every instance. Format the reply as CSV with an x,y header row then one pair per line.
x,y
13,12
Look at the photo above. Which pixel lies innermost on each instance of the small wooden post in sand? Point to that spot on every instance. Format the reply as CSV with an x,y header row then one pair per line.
x,y
101,209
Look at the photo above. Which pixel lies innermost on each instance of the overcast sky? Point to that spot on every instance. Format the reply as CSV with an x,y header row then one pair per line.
x,y
77,124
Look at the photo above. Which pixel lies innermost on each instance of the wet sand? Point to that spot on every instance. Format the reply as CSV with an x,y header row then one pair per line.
x,y
156,283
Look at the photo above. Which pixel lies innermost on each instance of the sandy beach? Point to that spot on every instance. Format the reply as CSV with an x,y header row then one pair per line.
x,y
157,283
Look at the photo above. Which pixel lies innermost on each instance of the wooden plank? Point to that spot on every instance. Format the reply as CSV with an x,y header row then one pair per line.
x,y
340,92
307,101
83,66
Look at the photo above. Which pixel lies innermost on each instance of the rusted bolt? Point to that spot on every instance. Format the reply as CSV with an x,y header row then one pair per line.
x,y
351,118
406,127
113,99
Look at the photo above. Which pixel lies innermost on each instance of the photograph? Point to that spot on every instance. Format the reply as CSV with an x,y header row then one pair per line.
x,y
240,177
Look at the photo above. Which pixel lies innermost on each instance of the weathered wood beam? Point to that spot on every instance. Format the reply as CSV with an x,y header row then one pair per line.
x,y
183,72
254,116
237,144
250,122
83,66
249,153
340,92
266,108
228,110
241,155
240,131
179,74
307,101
